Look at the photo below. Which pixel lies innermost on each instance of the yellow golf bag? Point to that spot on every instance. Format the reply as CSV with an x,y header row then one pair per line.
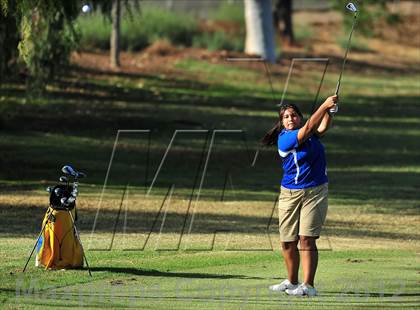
x,y
59,246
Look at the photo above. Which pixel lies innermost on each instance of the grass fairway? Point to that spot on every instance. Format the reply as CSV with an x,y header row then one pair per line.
x,y
212,243
215,280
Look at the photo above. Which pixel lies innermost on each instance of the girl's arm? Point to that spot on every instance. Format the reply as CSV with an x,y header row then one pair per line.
x,y
313,123
325,124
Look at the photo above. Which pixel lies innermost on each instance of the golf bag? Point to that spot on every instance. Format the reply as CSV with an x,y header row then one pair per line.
x,y
58,247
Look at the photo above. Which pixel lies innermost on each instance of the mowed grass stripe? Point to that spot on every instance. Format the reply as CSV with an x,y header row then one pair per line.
x,y
383,280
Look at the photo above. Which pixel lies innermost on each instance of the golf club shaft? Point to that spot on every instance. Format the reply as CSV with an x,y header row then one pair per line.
x,y
80,241
36,242
337,89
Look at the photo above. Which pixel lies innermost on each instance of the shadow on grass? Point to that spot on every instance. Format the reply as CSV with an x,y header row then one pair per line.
x,y
167,274
26,221
101,110
349,228
366,294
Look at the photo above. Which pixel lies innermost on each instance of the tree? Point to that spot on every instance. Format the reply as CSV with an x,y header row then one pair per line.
x,y
282,16
115,34
41,33
112,9
259,29
9,38
46,34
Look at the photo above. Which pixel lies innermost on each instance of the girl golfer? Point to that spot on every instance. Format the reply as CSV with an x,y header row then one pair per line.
x,y
304,189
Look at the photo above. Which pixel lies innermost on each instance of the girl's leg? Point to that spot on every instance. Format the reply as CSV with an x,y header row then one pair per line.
x,y
309,258
291,258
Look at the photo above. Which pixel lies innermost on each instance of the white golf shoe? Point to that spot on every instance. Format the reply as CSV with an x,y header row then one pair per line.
x,y
302,290
286,284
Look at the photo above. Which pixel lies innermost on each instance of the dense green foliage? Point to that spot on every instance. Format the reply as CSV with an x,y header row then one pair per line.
x,y
9,38
232,37
139,29
219,40
46,36
233,12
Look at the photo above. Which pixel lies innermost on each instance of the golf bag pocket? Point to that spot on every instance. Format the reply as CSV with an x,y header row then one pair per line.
x,y
58,246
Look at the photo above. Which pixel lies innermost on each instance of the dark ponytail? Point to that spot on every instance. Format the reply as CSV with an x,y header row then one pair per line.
x,y
272,135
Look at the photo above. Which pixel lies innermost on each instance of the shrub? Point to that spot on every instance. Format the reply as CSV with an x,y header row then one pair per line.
x,y
233,12
95,31
219,41
138,30
228,31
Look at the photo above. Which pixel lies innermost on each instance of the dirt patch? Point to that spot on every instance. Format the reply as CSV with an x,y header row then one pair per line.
x,y
117,282
161,48
157,58
405,32
350,260
230,27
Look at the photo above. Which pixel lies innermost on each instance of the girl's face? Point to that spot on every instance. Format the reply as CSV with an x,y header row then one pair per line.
x,y
291,120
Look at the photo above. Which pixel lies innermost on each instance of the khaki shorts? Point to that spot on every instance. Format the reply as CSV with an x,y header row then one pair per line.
x,y
302,212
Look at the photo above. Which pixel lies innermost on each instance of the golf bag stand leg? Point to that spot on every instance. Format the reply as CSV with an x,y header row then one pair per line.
x,y
37,240
80,241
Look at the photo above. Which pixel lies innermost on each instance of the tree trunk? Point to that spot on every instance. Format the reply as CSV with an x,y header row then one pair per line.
x,y
9,39
283,20
115,34
3,46
259,29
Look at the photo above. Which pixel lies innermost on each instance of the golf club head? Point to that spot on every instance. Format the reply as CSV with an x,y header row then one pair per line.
x,y
49,189
67,169
63,200
80,175
63,179
75,192
351,7
58,192
70,200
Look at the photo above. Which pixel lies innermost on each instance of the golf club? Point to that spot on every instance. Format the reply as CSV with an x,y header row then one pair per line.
x,y
58,192
351,7
67,169
80,175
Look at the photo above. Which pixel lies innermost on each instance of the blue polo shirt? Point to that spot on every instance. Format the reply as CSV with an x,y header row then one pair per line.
x,y
303,165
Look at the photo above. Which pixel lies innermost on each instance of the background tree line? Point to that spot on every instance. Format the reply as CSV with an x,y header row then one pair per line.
x,y
38,36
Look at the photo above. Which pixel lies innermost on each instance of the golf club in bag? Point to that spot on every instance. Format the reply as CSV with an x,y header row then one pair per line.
x,y
59,244
351,7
